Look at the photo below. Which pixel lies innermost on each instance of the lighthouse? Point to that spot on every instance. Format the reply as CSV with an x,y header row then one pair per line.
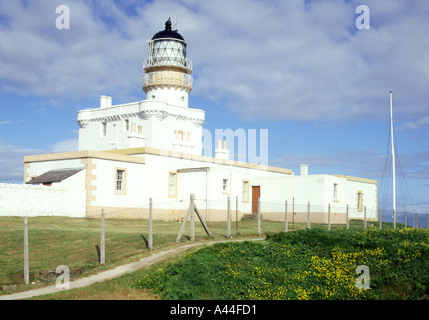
x,y
164,119
167,70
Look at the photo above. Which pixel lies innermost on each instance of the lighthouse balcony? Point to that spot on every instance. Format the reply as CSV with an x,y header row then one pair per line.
x,y
167,78
181,63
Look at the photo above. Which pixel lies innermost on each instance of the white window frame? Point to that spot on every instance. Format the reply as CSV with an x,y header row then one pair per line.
x,y
172,184
120,181
225,188
245,194
104,129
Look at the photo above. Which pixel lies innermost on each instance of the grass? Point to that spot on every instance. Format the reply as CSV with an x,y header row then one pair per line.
x,y
74,242
55,241
308,264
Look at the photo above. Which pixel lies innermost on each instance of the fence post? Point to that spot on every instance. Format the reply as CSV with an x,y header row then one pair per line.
x,y
379,219
347,217
394,219
228,223
26,264
192,217
102,244
236,213
308,215
293,213
259,217
364,217
416,225
286,220
406,219
329,217
150,226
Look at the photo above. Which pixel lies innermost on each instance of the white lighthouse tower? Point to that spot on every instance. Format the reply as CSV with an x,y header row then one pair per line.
x,y
167,70
164,120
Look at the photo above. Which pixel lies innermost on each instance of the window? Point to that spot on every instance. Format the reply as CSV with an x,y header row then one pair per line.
x,y
172,184
120,181
335,191
127,125
104,129
140,129
225,185
245,190
359,200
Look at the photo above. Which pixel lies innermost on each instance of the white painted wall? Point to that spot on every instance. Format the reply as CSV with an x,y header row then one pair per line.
x,y
318,190
38,168
158,121
135,180
32,201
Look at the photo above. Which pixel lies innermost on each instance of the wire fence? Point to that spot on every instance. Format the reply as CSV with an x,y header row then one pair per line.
x,y
32,248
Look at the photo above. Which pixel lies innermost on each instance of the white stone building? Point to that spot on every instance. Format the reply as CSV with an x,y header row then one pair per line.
x,y
131,152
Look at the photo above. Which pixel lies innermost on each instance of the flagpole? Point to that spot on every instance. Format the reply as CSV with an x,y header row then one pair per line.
x,y
393,162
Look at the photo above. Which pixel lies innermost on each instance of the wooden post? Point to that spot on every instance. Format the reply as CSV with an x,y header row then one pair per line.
x,y
286,219
228,223
329,217
259,217
364,217
379,219
293,213
192,209
347,217
192,217
308,215
416,225
26,263
150,245
236,213
102,240
406,219
394,219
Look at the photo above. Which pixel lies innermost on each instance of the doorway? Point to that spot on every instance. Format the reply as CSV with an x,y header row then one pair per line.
x,y
256,193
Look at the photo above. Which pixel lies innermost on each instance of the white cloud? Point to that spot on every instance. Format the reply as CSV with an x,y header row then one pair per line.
x,y
68,145
279,60
11,162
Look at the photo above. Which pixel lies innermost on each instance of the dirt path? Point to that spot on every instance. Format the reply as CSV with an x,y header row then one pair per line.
x,y
113,273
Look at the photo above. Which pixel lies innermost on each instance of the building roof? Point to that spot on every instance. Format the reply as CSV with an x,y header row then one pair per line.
x,y
168,33
54,176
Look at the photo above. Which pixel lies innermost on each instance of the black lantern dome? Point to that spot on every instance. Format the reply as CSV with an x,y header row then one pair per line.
x,y
168,33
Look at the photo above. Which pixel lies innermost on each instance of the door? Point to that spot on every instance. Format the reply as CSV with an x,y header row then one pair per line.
x,y
256,193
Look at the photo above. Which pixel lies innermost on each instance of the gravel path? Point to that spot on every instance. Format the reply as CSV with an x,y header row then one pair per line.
x,y
113,273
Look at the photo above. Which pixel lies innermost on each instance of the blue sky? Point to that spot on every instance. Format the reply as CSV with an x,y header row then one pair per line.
x,y
300,69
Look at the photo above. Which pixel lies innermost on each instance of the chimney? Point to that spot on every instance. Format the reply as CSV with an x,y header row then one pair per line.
x,y
221,152
105,102
109,102
304,169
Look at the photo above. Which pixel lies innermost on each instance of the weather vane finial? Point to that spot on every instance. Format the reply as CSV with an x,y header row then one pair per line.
x,y
168,24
